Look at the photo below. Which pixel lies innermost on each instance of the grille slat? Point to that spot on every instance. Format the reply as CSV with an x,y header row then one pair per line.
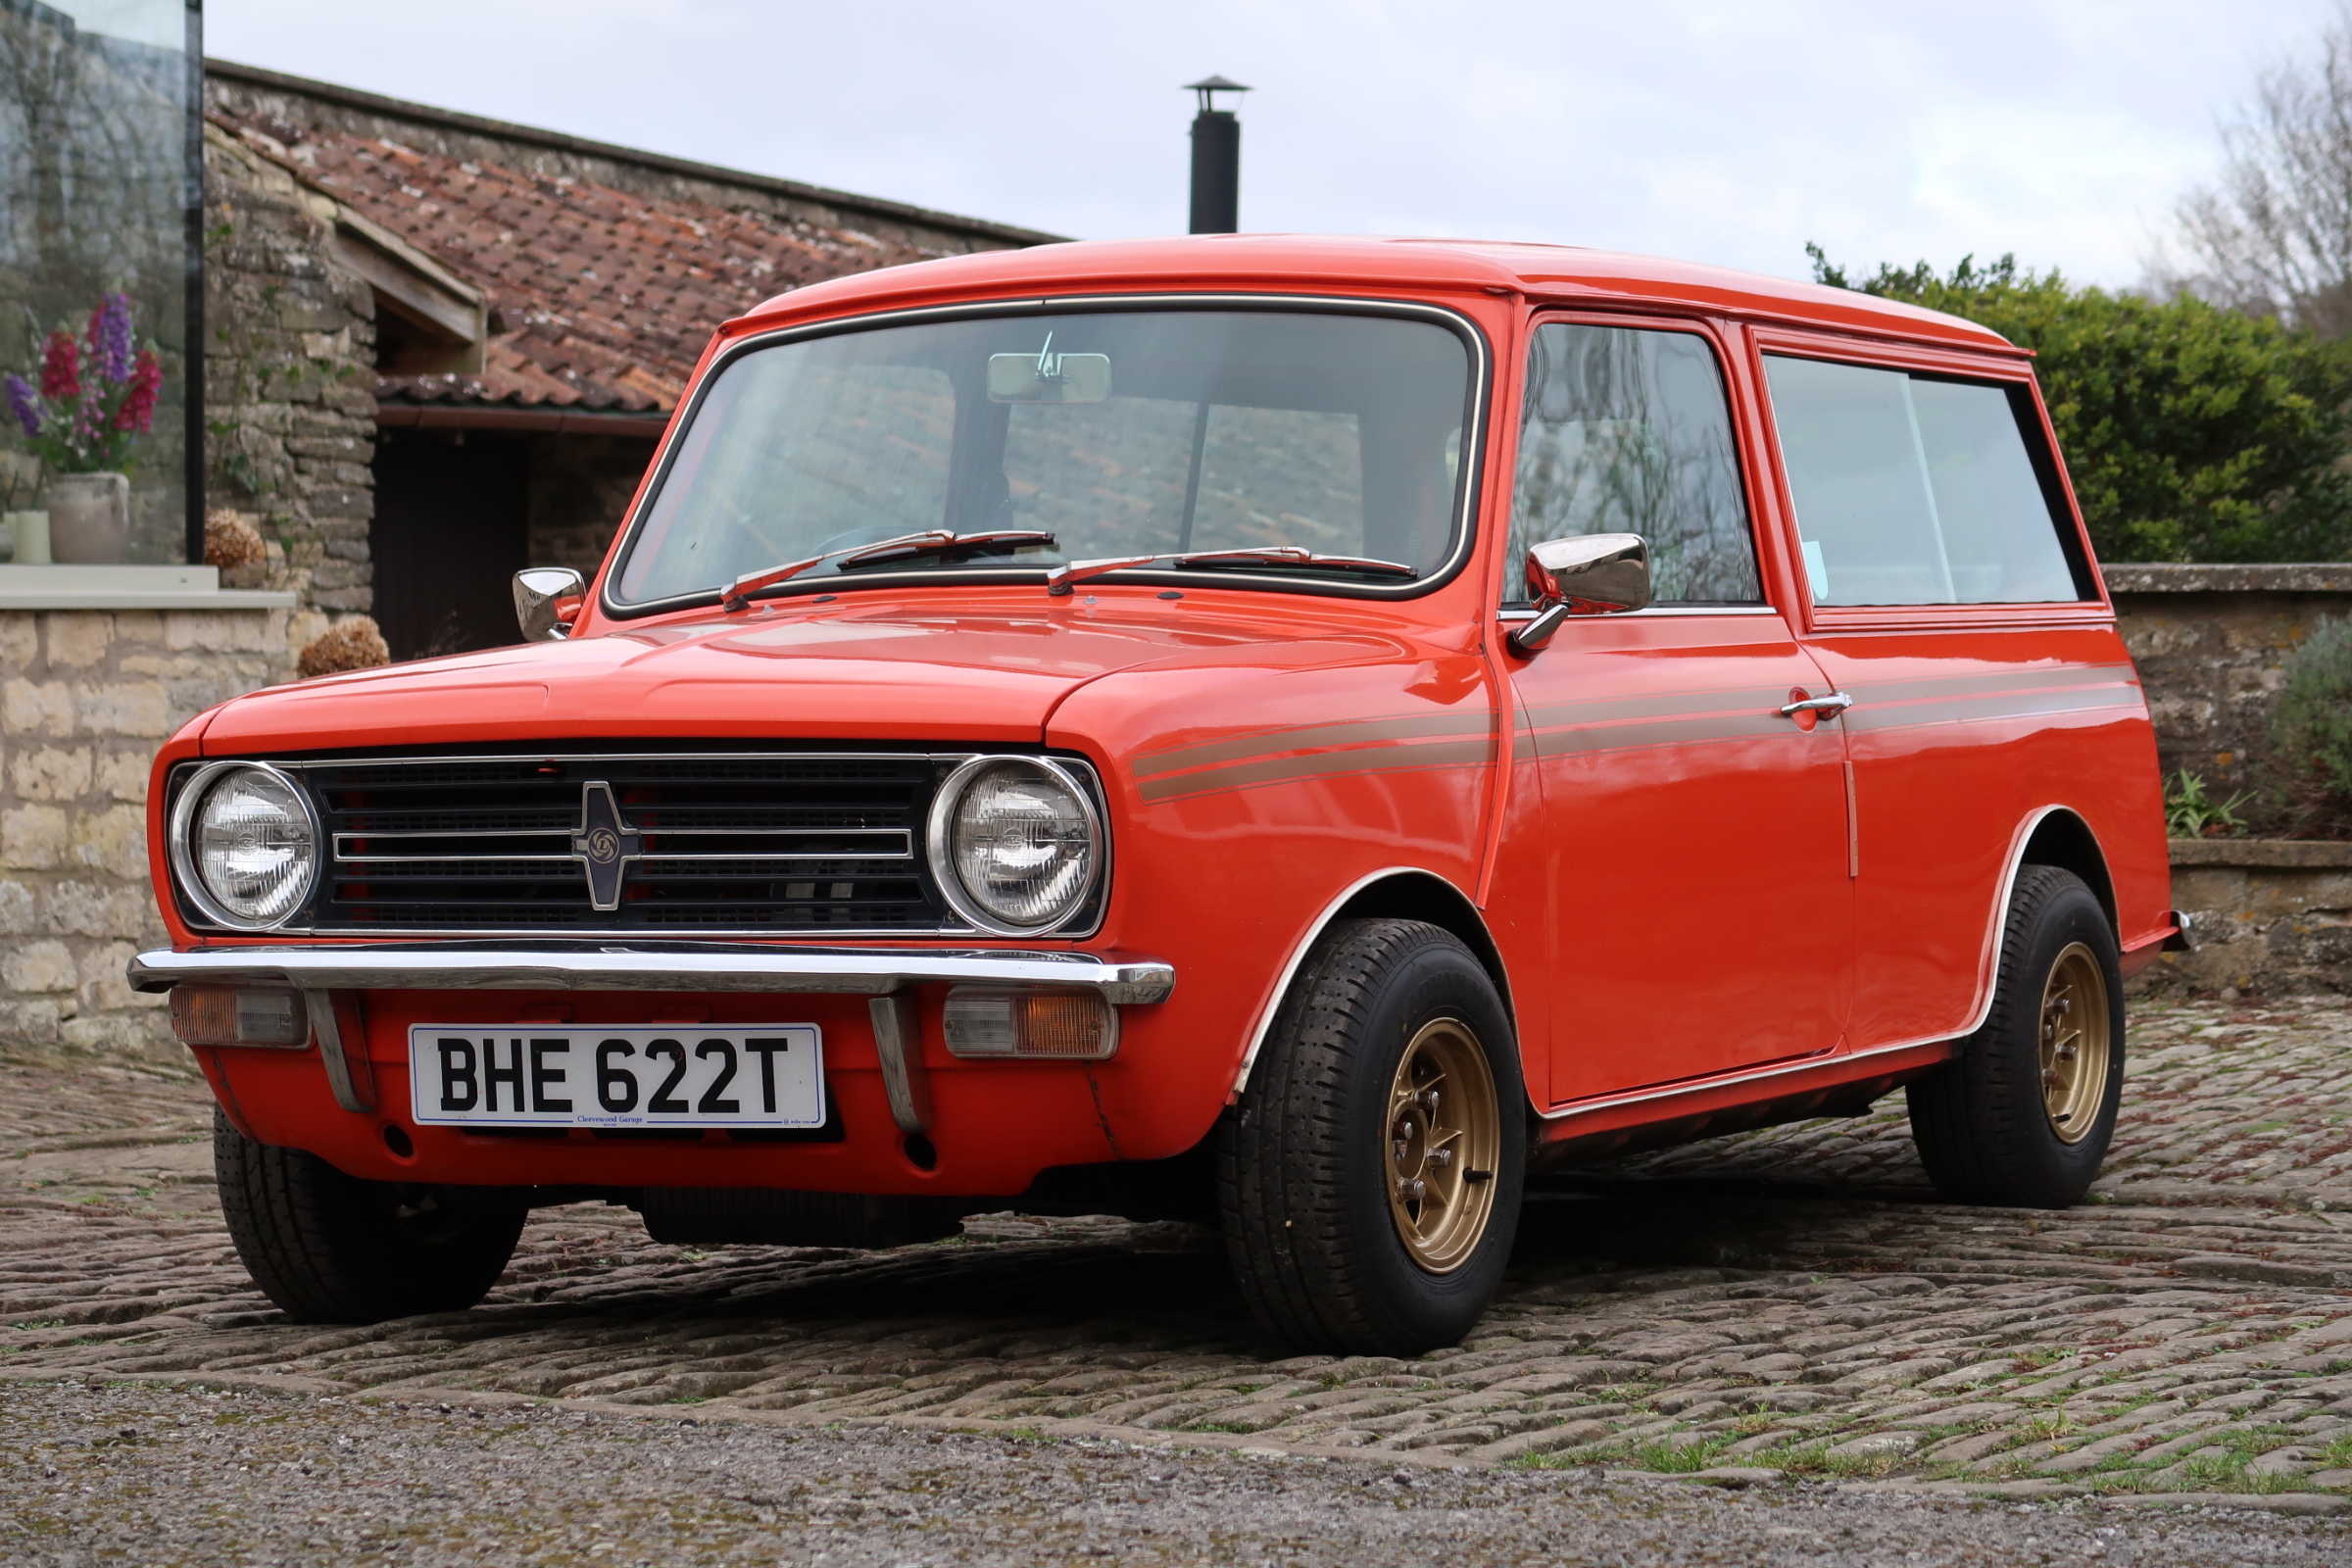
x,y
773,843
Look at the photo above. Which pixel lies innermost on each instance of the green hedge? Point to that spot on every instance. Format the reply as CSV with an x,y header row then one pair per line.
x,y
2191,433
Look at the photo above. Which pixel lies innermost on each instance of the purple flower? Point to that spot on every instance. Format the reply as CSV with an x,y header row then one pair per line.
x,y
20,404
110,337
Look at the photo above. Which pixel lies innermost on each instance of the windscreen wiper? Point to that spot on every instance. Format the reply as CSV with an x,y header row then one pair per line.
x,y
1061,579
906,547
1293,556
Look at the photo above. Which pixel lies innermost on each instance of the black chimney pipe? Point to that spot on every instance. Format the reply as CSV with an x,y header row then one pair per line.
x,y
1216,159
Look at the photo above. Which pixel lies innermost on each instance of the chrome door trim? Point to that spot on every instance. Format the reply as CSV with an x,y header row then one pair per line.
x,y
1741,1080
1521,612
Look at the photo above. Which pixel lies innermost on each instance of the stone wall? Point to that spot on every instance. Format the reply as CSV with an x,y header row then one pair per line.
x,y
85,698
2210,643
582,485
289,383
2272,917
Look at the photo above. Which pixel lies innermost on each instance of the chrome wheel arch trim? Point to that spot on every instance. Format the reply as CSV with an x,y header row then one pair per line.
x,y
1988,961
1272,1004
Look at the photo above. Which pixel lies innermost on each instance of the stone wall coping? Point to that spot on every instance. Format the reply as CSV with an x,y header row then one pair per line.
x,y
129,588
2291,577
2263,853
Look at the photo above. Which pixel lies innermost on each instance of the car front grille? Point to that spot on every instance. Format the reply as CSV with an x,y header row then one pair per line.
x,y
722,842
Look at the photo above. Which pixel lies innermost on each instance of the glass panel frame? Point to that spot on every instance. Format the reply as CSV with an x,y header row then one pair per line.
x,y
1456,491
1721,483
1920,449
102,192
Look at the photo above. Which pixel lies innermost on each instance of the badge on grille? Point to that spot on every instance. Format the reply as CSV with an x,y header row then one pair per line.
x,y
604,844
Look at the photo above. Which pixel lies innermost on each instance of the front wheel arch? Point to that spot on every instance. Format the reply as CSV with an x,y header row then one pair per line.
x,y
1400,893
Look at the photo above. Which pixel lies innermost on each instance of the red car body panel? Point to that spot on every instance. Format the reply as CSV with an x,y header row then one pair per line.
x,y
1696,907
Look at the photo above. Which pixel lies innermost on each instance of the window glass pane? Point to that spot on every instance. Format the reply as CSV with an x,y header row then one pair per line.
x,y
1911,490
1627,431
95,120
1998,531
796,455
1863,509
1280,477
1105,478
1213,430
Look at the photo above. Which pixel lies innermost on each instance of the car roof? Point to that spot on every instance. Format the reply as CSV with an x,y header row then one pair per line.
x,y
1375,267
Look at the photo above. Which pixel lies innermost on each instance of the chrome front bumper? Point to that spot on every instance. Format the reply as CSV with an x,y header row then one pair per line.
x,y
654,966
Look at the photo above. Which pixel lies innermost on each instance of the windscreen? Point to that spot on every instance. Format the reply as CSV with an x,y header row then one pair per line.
x,y
1114,433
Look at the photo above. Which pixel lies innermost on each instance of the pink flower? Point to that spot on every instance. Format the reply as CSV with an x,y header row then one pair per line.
x,y
137,411
60,368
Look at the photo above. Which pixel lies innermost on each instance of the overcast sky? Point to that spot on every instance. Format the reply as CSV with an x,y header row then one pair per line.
x,y
2062,130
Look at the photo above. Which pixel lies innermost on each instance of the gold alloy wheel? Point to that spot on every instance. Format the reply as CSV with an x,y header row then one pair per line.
x,y
2073,1043
1445,1134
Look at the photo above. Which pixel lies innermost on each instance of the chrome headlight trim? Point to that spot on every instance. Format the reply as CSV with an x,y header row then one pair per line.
x,y
940,850
183,856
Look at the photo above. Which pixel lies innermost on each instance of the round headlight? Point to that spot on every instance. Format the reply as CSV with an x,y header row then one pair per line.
x,y
1016,844
245,844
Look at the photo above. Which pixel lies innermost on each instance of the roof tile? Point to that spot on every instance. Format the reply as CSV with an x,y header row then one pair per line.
x,y
618,292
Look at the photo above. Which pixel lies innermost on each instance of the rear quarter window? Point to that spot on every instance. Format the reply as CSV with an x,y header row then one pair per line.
x,y
1916,489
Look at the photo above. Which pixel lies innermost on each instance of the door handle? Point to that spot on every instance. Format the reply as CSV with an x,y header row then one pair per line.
x,y
1829,707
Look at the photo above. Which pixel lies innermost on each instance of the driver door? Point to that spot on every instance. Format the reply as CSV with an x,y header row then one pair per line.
x,y
1699,838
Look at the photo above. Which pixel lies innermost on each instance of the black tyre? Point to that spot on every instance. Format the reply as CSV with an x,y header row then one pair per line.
x,y
2024,1114
1370,1178
333,1248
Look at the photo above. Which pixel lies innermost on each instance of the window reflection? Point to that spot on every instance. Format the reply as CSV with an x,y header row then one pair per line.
x,y
1629,431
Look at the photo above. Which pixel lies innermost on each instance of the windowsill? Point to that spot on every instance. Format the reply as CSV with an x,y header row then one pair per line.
x,y
128,588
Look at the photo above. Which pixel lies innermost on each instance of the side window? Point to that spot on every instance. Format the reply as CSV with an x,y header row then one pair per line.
x,y
1915,490
1629,431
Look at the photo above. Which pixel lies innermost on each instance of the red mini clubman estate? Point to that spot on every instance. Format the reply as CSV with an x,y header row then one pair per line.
x,y
1282,730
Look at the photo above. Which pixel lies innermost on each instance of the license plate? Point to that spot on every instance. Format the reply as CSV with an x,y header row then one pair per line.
x,y
764,1075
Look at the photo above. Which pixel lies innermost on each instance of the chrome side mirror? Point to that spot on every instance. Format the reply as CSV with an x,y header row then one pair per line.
x,y
1592,574
547,601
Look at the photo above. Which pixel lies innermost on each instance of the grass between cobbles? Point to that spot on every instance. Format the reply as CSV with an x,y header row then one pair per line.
x,y
1813,1457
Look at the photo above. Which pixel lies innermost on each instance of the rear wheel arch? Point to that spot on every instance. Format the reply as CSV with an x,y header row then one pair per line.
x,y
2062,839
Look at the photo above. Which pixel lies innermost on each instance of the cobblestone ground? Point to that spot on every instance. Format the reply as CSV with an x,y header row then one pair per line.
x,y
1791,1304
166,1478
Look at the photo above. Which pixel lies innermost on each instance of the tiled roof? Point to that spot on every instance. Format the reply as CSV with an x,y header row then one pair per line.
x,y
599,299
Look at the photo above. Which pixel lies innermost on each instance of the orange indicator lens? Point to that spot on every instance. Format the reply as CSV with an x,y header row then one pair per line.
x,y
239,1016
1070,1025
